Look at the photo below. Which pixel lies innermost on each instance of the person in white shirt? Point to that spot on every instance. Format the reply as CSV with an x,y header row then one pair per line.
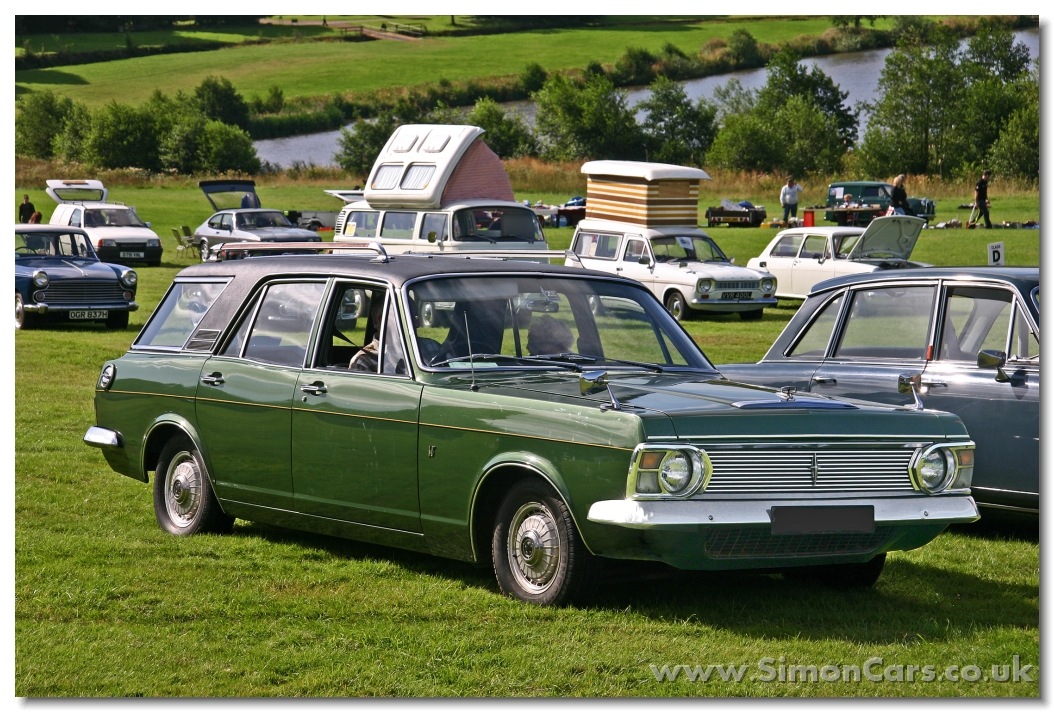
x,y
789,198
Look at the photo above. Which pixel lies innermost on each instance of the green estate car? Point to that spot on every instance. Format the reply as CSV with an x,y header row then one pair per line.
x,y
873,192
520,426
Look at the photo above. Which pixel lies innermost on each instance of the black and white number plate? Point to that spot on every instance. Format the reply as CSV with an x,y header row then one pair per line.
x,y
736,295
132,255
90,314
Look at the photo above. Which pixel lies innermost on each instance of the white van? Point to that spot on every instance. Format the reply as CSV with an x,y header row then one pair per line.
x,y
439,188
115,230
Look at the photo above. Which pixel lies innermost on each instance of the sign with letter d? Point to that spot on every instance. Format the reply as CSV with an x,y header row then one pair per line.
x,y
996,255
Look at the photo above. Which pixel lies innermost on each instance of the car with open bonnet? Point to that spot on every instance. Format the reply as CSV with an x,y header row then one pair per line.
x,y
642,222
60,279
518,430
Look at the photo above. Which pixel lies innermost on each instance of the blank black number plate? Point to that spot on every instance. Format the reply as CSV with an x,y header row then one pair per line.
x,y
814,520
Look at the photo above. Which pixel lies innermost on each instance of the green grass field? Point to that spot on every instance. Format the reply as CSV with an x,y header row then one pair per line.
x,y
108,605
312,69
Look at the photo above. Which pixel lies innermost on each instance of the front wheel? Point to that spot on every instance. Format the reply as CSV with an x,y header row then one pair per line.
x,y
842,575
184,503
538,555
203,248
677,306
752,315
21,318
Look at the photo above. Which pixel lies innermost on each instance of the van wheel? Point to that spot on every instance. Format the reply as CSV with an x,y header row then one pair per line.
x,y
537,552
184,503
677,306
752,315
863,575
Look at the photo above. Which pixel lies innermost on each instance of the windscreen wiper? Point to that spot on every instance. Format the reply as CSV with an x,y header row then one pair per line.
x,y
491,240
526,359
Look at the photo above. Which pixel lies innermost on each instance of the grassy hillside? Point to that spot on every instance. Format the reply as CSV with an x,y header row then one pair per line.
x,y
311,69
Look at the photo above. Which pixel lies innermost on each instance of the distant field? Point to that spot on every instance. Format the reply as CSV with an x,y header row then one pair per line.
x,y
311,69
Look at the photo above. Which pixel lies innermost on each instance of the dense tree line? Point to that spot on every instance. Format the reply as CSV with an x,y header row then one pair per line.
x,y
56,24
201,133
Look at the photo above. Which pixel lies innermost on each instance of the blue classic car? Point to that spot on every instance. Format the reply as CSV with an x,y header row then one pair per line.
x,y
968,337
58,277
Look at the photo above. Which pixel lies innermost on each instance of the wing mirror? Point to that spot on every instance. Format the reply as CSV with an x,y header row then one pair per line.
x,y
644,260
150,224
987,358
911,383
592,382
732,260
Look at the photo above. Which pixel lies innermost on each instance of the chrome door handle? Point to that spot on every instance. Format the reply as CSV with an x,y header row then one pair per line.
x,y
212,380
315,389
824,379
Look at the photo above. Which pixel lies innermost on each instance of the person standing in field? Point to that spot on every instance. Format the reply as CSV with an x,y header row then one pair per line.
x,y
25,210
980,201
789,198
898,201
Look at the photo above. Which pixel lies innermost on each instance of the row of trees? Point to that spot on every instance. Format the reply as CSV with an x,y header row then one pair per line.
x,y
200,133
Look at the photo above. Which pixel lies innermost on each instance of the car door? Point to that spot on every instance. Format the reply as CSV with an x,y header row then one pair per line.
x,y
1002,416
245,396
598,250
355,416
885,330
630,264
781,259
814,264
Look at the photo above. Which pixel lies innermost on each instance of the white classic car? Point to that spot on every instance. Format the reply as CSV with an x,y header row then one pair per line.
x,y
804,256
641,222
115,230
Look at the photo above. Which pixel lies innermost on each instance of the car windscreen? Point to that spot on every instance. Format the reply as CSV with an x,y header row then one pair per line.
x,y
178,314
496,224
111,217
514,321
258,221
686,248
52,244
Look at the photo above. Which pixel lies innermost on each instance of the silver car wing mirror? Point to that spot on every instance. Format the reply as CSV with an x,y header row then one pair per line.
x,y
911,383
592,382
989,358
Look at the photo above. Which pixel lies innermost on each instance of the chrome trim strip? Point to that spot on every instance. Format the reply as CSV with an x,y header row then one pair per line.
x,y
702,514
520,435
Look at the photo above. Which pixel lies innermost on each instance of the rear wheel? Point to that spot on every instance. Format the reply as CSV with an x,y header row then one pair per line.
x,y
677,306
184,503
841,575
203,248
117,320
752,315
21,318
538,555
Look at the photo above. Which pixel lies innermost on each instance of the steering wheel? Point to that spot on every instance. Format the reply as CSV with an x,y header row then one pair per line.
x,y
26,250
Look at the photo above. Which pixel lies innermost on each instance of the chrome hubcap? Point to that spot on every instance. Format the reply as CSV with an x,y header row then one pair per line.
x,y
19,312
534,547
183,489
675,308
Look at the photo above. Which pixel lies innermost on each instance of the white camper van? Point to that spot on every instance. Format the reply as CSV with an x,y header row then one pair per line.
x,y
439,188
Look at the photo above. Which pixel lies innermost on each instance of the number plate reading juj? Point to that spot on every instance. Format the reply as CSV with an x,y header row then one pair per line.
x,y
89,314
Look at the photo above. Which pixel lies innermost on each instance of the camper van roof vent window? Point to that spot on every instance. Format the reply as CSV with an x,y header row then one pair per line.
x,y
436,142
387,176
404,142
417,177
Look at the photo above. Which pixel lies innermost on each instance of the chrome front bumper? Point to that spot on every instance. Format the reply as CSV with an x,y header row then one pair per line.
x,y
45,308
682,514
771,302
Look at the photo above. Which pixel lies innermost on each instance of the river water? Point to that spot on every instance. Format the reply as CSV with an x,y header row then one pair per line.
x,y
855,72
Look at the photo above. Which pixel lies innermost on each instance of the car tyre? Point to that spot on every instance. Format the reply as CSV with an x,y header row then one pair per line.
x,y
203,249
752,315
184,503
842,575
595,305
117,320
677,306
22,320
538,554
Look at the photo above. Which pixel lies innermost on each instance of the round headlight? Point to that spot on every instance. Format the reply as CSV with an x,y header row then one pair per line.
x,y
107,243
129,278
768,285
704,285
41,279
935,469
676,473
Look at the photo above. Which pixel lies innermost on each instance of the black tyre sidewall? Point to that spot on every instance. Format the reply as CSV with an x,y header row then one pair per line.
x,y
685,310
576,563
211,517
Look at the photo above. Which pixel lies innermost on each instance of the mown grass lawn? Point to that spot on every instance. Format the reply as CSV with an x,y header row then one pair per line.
x,y
312,69
106,604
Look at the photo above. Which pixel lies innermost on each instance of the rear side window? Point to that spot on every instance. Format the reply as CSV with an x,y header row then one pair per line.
x,y
283,323
787,246
603,247
889,323
399,226
361,224
434,222
178,315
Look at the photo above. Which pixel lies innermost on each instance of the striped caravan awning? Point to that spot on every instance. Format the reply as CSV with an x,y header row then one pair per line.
x,y
642,202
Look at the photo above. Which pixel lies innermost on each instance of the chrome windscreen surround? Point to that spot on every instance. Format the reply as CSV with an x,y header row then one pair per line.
x,y
958,480
640,470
